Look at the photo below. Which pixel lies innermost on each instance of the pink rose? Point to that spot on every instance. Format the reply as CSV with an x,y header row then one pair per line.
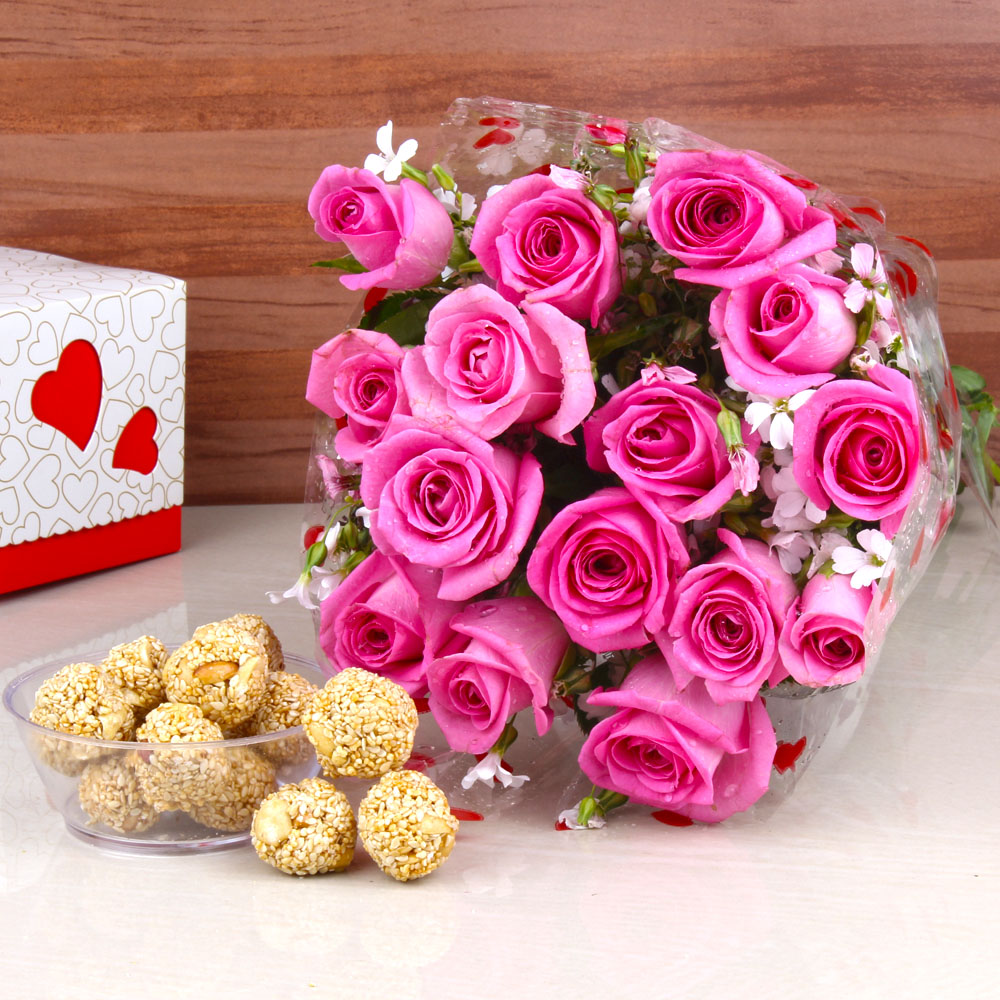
x,y
732,219
822,641
856,445
489,366
607,566
679,750
357,375
402,235
449,500
541,242
502,657
379,618
785,332
662,440
728,614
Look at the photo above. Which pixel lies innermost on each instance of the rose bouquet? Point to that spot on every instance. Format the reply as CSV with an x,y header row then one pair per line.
x,y
632,428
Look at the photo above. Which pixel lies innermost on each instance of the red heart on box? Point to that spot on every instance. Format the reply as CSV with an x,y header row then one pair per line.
x,y
69,398
136,449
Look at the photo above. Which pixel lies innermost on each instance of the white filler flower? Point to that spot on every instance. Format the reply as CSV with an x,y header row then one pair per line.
x,y
389,164
490,767
867,564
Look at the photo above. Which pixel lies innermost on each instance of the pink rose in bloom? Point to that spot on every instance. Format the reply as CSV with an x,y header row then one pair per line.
x,y
662,440
489,365
357,375
502,656
449,500
822,641
732,219
541,242
401,234
607,567
728,614
856,445
785,332
378,619
679,750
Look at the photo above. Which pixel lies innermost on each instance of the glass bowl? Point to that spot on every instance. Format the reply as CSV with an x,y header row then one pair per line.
x,y
94,784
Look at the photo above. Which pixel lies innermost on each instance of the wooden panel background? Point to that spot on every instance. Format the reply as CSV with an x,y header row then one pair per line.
x,y
187,141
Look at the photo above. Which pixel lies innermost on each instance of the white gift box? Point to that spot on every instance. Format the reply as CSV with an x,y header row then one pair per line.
x,y
91,416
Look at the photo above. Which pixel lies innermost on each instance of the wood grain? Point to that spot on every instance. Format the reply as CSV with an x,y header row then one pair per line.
x,y
186,142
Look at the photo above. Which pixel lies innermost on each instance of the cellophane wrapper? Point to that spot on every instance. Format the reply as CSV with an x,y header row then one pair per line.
x,y
805,719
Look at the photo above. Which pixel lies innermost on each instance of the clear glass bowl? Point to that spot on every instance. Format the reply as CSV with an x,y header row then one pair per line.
x,y
93,783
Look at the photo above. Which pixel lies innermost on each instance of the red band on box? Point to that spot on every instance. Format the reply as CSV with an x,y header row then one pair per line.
x,y
60,556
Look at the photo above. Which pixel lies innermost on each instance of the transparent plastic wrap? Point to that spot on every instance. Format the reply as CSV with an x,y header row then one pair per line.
x,y
484,143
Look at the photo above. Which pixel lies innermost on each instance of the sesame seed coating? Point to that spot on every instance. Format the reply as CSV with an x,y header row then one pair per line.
x,y
187,776
285,699
406,825
222,669
232,805
263,633
63,755
84,700
110,794
305,829
137,666
361,724
178,722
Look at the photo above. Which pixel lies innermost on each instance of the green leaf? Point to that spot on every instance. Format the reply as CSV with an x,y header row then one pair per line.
x,y
399,302
827,569
967,382
407,326
985,424
647,304
979,419
601,345
836,522
346,263
584,721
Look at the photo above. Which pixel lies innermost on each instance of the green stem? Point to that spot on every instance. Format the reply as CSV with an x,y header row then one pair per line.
x,y
415,175
506,740
599,804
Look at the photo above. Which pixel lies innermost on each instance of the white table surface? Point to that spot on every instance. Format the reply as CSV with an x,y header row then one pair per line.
x,y
877,878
